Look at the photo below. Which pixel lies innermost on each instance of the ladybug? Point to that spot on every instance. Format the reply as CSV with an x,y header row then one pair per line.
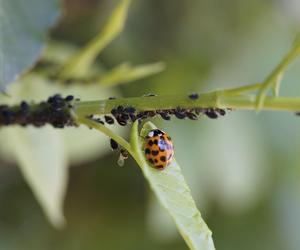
x,y
159,149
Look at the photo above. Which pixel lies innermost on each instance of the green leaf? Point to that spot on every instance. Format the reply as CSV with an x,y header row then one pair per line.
x,y
81,62
41,158
174,194
125,73
23,26
44,154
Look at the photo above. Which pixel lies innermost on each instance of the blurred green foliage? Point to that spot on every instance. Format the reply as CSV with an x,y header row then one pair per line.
x,y
243,169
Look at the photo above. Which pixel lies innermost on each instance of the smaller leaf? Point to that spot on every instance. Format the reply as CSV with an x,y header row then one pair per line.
x,y
174,194
276,85
80,62
125,73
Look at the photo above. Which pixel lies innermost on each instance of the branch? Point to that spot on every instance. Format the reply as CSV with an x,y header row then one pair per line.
x,y
61,112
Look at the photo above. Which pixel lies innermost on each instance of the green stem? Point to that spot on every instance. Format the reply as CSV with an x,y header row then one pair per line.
x,y
130,147
274,78
217,99
242,90
93,124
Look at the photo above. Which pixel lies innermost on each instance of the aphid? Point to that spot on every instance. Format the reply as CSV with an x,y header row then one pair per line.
x,y
129,110
194,96
69,98
179,115
149,95
222,112
159,149
113,144
165,116
24,107
114,112
121,122
123,156
109,119
99,121
191,116
120,109
211,114
132,117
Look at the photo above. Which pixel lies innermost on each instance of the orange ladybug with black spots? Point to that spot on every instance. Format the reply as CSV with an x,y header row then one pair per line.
x,y
159,150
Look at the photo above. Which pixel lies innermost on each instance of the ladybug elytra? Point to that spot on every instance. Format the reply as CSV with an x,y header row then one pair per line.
x,y
159,150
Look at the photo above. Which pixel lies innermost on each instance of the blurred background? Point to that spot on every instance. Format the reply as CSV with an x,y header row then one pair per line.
x,y
243,169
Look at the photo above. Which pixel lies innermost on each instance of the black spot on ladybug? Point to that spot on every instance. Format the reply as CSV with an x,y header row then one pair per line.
x,y
155,160
155,152
155,142
147,151
151,161
150,143
159,166
163,159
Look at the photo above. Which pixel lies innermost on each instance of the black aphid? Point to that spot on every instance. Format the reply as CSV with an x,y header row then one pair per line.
x,y
194,96
210,113
191,116
129,110
99,121
113,144
69,98
109,119
149,95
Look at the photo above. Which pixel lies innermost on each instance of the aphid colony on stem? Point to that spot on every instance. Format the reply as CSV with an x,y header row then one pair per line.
x,y
127,114
54,111
57,112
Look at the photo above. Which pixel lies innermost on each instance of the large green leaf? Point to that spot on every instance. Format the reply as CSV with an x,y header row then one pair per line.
x,y
23,26
42,160
174,194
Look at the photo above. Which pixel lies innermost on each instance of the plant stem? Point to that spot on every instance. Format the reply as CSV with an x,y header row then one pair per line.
x,y
93,124
130,147
217,99
274,79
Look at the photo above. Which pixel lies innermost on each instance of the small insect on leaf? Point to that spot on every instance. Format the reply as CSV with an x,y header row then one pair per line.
x,y
123,156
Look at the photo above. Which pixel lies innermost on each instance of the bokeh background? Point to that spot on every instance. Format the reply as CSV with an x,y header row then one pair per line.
x,y
243,169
